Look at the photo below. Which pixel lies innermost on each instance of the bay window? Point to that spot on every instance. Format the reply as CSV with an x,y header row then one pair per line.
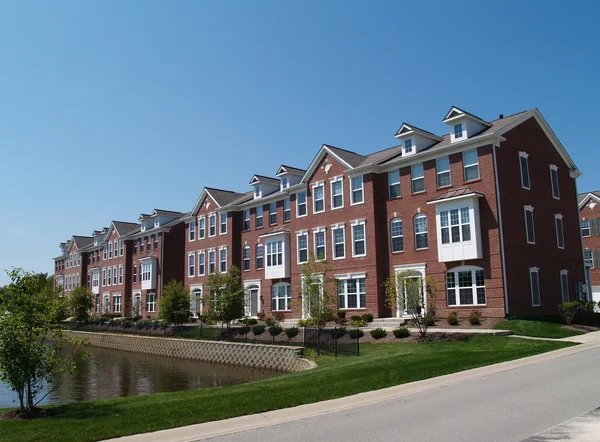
x,y
465,286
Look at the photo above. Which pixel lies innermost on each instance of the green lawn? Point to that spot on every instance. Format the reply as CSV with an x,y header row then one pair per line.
x,y
538,329
379,366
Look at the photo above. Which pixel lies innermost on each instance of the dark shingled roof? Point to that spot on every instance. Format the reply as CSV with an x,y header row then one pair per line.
x,y
83,241
582,196
125,228
160,212
293,169
352,158
225,197
453,193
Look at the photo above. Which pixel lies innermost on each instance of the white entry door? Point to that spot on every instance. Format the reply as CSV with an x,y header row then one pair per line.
x,y
252,300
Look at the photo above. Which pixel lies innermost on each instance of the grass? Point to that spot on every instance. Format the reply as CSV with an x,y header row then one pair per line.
x,y
537,329
379,366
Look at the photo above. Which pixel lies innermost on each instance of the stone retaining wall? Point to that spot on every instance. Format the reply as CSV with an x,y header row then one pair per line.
x,y
275,357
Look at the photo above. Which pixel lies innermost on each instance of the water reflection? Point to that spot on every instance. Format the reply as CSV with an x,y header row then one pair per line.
x,y
111,373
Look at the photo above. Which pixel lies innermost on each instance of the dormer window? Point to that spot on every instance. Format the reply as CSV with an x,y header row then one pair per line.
x,y
156,222
143,228
284,183
408,146
458,130
257,192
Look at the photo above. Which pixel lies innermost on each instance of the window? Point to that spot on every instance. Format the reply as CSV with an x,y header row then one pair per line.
x,y
223,219
259,217
259,256
274,253
156,241
212,224
339,248
554,179
560,236
302,247
116,303
458,130
247,258
257,192
318,198
564,285
408,145
418,178
273,213
211,261
191,264
284,183
471,165
103,277
116,243
586,227
141,240
147,238
319,238
465,286
455,225
151,302
397,234
97,303
356,191
442,168
337,193
589,258
358,238
524,164
120,275
223,259
529,226
134,274
287,212
109,250
394,183
534,280
121,248
150,241
421,241
135,246
246,225
281,297
95,279
201,259
109,276
351,293
201,228
145,271
301,204
115,275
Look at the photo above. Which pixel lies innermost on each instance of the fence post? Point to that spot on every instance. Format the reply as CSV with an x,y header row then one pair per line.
x,y
304,336
357,343
335,336
201,329
318,340
221,337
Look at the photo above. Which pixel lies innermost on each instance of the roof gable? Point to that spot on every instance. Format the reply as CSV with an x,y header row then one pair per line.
x,y
348,159
407,129
257,179
220,197
585,197
455,112
283,169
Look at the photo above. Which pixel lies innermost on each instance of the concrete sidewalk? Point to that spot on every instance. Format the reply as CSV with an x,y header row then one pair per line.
x,y
234,425
584,428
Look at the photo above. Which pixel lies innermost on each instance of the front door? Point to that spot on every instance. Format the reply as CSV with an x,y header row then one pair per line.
x,y
254,301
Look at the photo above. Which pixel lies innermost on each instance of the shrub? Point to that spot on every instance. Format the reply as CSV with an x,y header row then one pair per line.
x,y
341,315
429,321
338,332
355,318
250,321
258,330
475,317
279,316
453,318
243,330
567,311
306,322
270,322
401,332
291,332
327,316
368,317
359,322
275,330
378,333
261,315
356,333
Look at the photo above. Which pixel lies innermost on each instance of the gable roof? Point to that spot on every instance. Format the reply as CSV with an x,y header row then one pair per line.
x,y
283,169
125,228
456,111
160,212
221,197
583,198
408,128
264,179
81,241
345,157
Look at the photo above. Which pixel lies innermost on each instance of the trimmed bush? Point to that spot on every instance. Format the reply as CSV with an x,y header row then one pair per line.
x,y
275,330
453,318
429,321
368,317
356,318
341,315
306,322
358,322
401,332
378,333
356,333
258,330
270,322
291,332
279,316
243,330
475,317
338,332
250,321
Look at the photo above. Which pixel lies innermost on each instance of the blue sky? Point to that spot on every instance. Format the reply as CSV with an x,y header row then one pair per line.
x,y
110,109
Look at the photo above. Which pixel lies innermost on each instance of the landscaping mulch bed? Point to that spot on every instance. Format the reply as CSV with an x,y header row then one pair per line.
x,y
581,328
16,415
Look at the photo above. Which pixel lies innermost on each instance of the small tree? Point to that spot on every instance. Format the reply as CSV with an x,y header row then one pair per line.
x,y
80,304
406,290
225,299
318,291
175,303
27,361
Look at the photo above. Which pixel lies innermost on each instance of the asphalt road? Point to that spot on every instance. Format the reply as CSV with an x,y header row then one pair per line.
x,y
507,406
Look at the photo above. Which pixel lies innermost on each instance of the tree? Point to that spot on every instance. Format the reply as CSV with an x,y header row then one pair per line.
x,y
318,291
175,303
80,304
406,290
27,360
225,299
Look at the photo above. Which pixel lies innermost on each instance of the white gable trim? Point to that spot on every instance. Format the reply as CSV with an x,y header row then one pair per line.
x,y
460,114
315,163
587,198
201,199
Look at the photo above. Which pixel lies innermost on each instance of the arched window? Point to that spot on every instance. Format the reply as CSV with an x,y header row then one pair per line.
x,y
281,298
421,241
397,235
247,258
465,285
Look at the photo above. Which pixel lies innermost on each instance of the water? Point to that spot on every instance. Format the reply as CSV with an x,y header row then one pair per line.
x,y
112,373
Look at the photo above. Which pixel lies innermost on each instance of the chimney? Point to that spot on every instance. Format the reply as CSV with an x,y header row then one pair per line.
x,y
501,116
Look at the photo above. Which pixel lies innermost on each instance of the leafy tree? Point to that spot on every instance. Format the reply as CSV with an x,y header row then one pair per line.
x,y
175,303
27,360
80,304
406,290
318,291
225,298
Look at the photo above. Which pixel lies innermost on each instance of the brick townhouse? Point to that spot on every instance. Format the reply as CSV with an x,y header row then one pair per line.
x,y
590,232
487,211
70,266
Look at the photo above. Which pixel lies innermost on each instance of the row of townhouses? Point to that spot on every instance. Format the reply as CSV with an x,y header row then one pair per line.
x,y
489,211
590,232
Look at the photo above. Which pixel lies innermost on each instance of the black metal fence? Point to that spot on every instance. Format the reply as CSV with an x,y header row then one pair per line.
x,y
336,340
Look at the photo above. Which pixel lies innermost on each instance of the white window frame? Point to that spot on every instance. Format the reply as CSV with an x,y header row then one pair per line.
x,y
110,246
332,182
257,192
564,285
201,263
316,186
589,227
117,306
221,250
201,227
394,184
301,234
438,173
134,274
536,271
121,274
275,254
318,231
245,220
246,260
95,279
426,232
353,225
592,259
298,204
115,277
397,236
465,165
272,212
121,247
287,210
462,131
151,302
261,217
342,281
553,172
353,191
103,255
524,157
474,286
191,264
260,247
525,210
558,219
285,182
103,277
223,223
287,296
408,145
109,280
414,169
445,216
212,262
335,227
212,216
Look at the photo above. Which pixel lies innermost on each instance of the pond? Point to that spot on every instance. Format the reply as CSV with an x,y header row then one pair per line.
x,y
112,373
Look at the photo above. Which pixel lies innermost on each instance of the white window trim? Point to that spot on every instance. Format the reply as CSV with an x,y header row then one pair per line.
x,y
558,216
221,215
288,301
203,218
191,267
332,181
465,165
466,268
562,288
289,210
192,228
438,173
358,293
201,252
525,210
220,260
413,178
214,251
390,184
209,216
589,228
257,192
420,215
315,231
115,276
392,237
526,156
554,167
271,213
314,200
354,223
305,204
246,247
362,189
463,132
300,233
333,228
535,270
121,274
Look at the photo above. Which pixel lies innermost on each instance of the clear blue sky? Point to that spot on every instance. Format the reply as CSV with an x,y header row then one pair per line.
x,y
109,109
